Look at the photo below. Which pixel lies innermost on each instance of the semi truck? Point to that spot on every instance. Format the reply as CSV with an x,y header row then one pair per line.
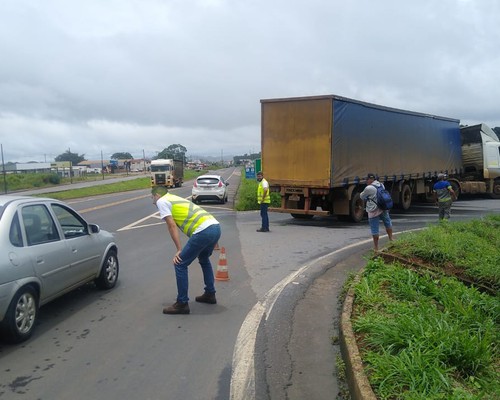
x,y
480,161
167,172
317,151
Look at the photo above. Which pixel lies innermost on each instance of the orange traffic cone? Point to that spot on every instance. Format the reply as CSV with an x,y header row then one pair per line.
x,y
222,274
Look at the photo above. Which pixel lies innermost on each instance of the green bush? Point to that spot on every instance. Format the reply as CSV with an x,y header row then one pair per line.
x,y
247,196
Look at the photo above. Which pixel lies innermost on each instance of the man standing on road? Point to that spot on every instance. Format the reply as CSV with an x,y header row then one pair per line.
x,y
203,231
444,196
264,199
375,214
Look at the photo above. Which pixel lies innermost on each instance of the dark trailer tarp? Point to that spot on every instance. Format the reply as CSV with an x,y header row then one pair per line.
x,y
390,142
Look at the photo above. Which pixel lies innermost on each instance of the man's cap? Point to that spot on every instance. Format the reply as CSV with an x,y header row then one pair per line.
x,y
260,173
370,176
441,176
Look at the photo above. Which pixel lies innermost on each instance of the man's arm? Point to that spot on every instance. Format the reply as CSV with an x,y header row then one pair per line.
x,y
452,192
174,234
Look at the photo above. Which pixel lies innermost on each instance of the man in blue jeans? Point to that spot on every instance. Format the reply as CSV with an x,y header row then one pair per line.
x,y
264,199
203,231
375,214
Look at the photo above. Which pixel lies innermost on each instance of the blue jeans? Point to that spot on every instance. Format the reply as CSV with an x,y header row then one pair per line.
x,y
264,216
201,246
374,222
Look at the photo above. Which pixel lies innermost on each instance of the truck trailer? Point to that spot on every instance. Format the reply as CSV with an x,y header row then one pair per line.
x,y
317,150
167,172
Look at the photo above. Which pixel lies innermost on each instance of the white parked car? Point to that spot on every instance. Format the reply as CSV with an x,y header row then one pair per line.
x,y
46,250
209,187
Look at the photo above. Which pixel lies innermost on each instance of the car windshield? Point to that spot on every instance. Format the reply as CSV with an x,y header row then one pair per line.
x,y
208,181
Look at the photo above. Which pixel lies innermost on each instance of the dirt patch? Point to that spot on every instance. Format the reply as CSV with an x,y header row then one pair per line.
x,y
449,269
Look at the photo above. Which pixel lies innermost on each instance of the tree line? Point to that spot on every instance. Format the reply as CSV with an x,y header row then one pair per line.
x,y
175,151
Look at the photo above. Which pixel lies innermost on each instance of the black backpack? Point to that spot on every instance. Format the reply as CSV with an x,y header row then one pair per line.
x,y
384,198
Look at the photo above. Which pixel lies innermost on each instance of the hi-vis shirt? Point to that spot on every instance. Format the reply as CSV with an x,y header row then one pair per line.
x,y
442,189
260,192
190,218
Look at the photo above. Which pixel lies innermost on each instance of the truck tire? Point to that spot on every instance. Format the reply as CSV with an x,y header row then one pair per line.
x,y
405,197
496,190
456,188
356,207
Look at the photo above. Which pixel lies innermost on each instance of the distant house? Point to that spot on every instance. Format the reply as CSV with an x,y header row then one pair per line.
x,y
24,168
62,168
136,164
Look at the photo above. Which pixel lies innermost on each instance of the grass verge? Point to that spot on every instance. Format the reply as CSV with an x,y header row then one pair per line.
x,y
426,335
124,186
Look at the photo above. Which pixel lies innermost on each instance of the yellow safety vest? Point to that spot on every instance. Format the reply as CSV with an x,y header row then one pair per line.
x,y
187,216
260,193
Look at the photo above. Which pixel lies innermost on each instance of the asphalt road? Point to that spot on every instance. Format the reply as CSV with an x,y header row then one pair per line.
x,y
118,344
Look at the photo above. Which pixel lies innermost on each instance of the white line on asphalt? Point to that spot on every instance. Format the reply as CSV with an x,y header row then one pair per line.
x,y
242,386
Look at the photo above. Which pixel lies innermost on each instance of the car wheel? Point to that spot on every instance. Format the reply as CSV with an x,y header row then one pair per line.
x,y
19,322
109,271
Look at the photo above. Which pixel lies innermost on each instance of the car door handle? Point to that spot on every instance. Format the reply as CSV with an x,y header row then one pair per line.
x,y
74,250
40,260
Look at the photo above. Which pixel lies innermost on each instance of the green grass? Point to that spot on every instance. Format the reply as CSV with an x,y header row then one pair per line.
x,y
472,247
142,182
424,335
247,196
125,186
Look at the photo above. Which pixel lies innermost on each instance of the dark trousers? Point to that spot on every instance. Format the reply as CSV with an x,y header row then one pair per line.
x,y
264,216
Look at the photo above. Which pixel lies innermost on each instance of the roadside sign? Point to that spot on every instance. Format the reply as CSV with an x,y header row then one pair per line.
x,y
258,165
249,171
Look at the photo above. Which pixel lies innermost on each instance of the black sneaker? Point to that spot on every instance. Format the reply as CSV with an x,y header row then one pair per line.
x,y
177,308
206,297
262,230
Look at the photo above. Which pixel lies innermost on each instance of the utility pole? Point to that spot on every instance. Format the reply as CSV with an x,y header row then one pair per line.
x,y
4,173
102,166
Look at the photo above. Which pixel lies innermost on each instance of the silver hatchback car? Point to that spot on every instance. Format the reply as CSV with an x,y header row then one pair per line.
x,y
46,250
209,187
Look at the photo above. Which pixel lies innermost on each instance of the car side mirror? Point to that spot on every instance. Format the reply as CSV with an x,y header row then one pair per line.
x,y
94,228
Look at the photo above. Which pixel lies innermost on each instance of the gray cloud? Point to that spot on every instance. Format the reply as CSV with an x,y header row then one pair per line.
x,y
136,75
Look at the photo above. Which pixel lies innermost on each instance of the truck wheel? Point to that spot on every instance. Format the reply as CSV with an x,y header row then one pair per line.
x,y
496,190
456,188
405,197
356,208
19,322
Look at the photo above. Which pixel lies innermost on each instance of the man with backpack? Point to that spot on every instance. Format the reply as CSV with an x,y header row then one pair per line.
x,y
377,208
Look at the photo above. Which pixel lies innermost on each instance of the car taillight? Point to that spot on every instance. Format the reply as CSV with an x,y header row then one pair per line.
x,y
195,184
220,184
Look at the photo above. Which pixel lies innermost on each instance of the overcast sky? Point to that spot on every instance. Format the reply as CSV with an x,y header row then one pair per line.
x,y
136,76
